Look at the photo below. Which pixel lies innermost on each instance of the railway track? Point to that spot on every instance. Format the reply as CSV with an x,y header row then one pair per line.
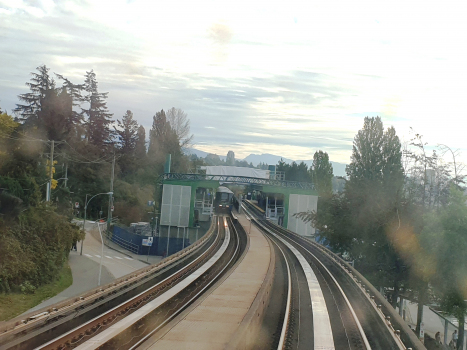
x,y
344,319
153,308
206,277
86,317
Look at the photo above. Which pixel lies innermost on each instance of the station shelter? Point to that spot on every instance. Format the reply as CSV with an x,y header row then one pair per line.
x,y
188,199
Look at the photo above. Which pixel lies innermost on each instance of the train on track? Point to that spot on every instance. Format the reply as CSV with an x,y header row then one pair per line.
x,y
223,201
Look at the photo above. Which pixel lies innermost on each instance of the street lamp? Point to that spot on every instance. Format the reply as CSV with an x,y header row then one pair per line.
x,y
102,254
86,202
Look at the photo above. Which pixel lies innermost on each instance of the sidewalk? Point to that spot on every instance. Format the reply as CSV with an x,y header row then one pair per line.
x,y
85,277
85,268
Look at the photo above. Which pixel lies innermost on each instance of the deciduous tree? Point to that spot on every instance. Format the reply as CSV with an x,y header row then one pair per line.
x,y
180,123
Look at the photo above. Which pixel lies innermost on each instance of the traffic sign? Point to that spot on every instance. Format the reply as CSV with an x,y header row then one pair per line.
x,y
112,208
76,205
147,242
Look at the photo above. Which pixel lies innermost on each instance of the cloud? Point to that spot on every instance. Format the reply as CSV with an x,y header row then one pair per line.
x,y
283,79
220,33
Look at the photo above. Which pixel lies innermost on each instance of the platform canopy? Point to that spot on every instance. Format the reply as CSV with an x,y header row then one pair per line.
x,y
236,171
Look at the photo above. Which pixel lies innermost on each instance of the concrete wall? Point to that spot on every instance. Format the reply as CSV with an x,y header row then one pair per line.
x,y
301,203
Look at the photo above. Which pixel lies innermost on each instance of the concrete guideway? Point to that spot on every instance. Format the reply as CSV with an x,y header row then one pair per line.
x,y
323,338
127,322
212,323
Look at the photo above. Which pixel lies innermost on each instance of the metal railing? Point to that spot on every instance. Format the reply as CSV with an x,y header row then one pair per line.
x,y
239,179
134,248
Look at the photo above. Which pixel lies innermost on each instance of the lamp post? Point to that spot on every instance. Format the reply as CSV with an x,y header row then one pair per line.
x,y
102,254
86,202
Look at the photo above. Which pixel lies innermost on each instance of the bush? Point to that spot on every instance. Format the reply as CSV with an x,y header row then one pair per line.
x,y
34,248
27,288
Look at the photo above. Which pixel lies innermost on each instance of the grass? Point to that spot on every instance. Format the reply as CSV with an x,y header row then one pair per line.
x,y
14,304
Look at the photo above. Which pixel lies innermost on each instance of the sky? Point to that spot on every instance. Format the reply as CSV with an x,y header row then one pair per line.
x,y
280,77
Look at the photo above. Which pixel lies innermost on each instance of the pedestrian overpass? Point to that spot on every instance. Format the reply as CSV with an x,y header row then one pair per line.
x,y
185,194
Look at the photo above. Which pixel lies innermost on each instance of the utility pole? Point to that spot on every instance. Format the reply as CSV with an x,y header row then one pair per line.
x,y
66,174
109,216
51,174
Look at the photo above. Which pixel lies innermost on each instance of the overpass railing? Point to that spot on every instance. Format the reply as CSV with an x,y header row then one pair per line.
x,y
239,180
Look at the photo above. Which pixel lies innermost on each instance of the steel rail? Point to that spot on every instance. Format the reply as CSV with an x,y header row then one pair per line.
x,y
285,324
108,317
386,320
189,302
286,233
362,333
323,335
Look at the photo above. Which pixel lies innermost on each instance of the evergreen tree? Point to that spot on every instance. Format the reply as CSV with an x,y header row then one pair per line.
x,y
126,142
140,147
230,158
321,173
99,118
127,134
158,134
56,115
75,93
40,85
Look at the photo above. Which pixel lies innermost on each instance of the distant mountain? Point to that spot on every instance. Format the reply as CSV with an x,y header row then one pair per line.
x,y
200,154
266,158
339,168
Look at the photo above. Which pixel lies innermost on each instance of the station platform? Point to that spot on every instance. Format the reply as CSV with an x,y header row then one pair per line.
x,y
212,323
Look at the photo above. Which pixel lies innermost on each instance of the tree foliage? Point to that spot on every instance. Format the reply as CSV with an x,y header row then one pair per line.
x,y
322,173
34,248
76,117
99,118
294,171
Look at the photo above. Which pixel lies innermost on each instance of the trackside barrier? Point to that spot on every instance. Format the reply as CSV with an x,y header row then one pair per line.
x,y
247,332
403,335
37,318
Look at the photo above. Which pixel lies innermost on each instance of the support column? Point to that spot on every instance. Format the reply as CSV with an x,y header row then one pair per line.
x,y
267,200
192,206
286,210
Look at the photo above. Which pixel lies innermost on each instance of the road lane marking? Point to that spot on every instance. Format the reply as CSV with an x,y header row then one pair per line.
x,y
128,258
117,257
108,257
88,255
97,255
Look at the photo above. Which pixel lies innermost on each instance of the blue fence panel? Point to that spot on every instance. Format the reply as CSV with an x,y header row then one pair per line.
x,y
134,243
